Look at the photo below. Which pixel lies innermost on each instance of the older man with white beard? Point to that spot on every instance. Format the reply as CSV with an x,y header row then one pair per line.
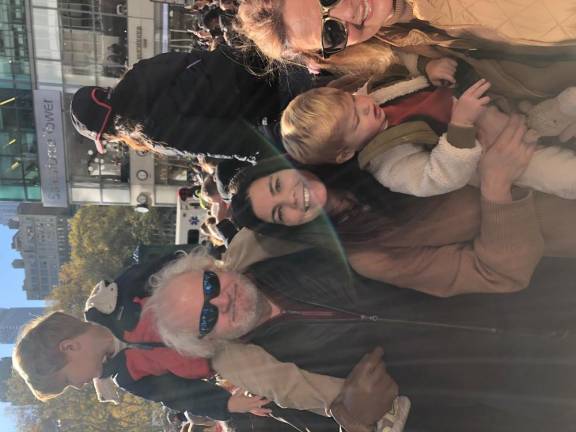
x,y
300,309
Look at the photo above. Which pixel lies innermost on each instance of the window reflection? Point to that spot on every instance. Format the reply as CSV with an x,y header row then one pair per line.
x,y
94,37
112,46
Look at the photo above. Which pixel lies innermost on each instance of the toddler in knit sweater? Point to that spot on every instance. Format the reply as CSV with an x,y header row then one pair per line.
x,y
414,138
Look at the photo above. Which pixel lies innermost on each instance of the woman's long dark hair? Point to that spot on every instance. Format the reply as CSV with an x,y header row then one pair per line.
x,y
355,227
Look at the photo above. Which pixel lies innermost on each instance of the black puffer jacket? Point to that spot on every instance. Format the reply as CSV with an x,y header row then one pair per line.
x,y
199,102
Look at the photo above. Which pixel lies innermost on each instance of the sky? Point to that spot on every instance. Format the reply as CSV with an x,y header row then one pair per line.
x,y
11,295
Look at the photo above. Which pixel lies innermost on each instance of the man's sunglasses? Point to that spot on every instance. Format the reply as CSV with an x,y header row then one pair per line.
x,y
209,313
334,31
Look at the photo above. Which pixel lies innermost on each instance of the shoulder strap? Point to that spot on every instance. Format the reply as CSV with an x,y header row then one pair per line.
x,y
416,132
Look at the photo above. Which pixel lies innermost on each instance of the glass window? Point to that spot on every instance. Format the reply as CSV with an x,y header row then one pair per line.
x,y
11,192
79,52
114,7
45,3
78,6
33,193
11,170
8,118
77,16
111,49
21,85
9,144
28,142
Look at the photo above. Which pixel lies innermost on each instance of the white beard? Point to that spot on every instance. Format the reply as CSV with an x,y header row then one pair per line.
x,y
253,307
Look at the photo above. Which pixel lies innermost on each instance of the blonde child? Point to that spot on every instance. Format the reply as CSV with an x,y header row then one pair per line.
x,y
414,138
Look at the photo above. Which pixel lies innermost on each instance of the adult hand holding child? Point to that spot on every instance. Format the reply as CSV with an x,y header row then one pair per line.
x,y
506,159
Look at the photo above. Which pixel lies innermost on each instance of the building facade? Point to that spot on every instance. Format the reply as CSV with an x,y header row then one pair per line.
x,y
19,171
49,49
42,240
12,319
8,211
5,373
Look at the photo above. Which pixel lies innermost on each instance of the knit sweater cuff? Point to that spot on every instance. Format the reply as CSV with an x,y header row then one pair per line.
x,y
461,136
515,220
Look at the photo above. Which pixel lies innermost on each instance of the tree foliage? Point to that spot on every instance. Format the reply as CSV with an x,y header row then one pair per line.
x,y
102,241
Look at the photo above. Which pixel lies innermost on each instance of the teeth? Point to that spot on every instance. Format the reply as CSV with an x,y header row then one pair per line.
x,y
306,199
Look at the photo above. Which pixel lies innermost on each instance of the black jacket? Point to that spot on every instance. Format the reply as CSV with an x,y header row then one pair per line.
x,y
199,397
468,370
199,102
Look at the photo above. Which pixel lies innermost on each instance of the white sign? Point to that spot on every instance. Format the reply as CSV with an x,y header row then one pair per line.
x,y
51,156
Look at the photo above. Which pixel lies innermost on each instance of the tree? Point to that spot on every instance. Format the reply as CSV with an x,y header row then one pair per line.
x,y
102,241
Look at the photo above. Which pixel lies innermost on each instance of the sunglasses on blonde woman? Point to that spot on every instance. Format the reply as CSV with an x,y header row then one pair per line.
x,y
334,30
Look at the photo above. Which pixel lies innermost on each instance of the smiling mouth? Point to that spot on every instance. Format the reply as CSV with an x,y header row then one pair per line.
x,y
306,197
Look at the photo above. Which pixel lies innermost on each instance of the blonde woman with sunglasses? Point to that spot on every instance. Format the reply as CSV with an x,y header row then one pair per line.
x,y
525,49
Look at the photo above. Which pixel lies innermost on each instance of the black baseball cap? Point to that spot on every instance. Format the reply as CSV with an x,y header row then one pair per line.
x,y
92,113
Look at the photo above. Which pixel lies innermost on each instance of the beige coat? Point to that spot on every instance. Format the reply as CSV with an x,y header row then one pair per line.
x,y
526,49
522,22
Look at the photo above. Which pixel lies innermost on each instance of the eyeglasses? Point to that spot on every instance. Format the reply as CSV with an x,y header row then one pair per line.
x,y
209,313
334,30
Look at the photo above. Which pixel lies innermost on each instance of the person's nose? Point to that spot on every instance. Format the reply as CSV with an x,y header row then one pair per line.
x,y
222,302
294,198
347,12
289,198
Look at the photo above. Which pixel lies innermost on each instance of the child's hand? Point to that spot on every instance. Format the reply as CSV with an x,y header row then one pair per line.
x,y
471,104
241,403
441,72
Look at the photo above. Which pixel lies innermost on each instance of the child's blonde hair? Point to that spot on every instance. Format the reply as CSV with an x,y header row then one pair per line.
x,y
311,124
37,356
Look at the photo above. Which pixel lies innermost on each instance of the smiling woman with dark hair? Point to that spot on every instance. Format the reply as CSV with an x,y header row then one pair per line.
x,y
486,240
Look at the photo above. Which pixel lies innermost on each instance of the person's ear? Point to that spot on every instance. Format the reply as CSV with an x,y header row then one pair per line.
x,y
68,345
344,155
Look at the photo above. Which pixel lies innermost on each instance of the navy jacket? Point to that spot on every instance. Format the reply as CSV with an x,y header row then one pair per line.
x,y
197,396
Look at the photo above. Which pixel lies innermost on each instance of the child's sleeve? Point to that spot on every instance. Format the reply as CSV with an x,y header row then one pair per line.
x,y
413,169
251,368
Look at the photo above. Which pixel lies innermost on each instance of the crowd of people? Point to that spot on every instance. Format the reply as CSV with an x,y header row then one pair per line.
x,y
379,266
214,23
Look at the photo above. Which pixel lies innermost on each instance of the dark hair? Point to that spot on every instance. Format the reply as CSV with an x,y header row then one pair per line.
x,y
354,227
212,14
